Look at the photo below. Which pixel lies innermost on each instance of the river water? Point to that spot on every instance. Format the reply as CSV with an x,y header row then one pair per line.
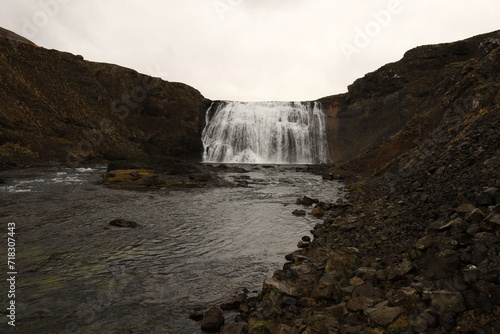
x,y
192,248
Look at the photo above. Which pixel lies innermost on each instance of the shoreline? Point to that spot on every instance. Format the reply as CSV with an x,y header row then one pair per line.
x,y
373,267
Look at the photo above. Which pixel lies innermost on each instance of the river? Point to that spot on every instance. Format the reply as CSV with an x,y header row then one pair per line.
x,y
192,248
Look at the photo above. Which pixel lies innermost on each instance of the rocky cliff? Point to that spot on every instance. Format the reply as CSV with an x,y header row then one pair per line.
x,y
410,94
56,107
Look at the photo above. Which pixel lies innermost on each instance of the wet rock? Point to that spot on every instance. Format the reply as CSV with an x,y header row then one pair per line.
x,y
306,238
197,314
123,223
213,319
307,201
328,177
235,328
303,244
383,314
298,212
324,205
447,301
234,303
318,212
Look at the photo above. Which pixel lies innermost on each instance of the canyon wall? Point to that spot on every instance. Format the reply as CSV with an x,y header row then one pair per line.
x,y
56,107
389,111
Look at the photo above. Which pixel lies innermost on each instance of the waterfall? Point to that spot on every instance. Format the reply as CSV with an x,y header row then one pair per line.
x,y
265,132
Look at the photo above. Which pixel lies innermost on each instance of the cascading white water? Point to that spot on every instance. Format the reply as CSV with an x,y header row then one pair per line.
x,y
265,132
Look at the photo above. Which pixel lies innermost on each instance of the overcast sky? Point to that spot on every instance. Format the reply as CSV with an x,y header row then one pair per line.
x,y
249,50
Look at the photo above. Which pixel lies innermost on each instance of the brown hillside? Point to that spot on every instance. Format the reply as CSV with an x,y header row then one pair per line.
x,y
56,107
391,110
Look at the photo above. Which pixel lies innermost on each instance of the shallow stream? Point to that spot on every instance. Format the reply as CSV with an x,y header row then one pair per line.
x,y
192,248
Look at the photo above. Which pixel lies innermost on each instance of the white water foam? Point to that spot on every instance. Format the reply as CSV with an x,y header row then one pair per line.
x,y
265,132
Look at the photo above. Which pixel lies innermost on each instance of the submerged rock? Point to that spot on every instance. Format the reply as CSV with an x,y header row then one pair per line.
x,y
123,223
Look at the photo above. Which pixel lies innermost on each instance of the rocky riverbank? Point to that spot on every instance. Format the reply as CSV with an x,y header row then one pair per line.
x,y
417,249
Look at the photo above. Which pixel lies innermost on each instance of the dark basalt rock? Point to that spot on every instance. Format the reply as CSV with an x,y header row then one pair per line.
x,y
213,320
123,223
107,112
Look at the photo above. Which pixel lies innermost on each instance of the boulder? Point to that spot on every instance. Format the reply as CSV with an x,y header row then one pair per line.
x,y
464,209
197,314
318,212
271,283
328,177
406,297
425,242
447,301
475,215
366,273
447,260
308,201
303,244
399,270
488,197
324,205
383,314
234,303
123,223
235,328
424,320
213,319
493,219
358,303
298,212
